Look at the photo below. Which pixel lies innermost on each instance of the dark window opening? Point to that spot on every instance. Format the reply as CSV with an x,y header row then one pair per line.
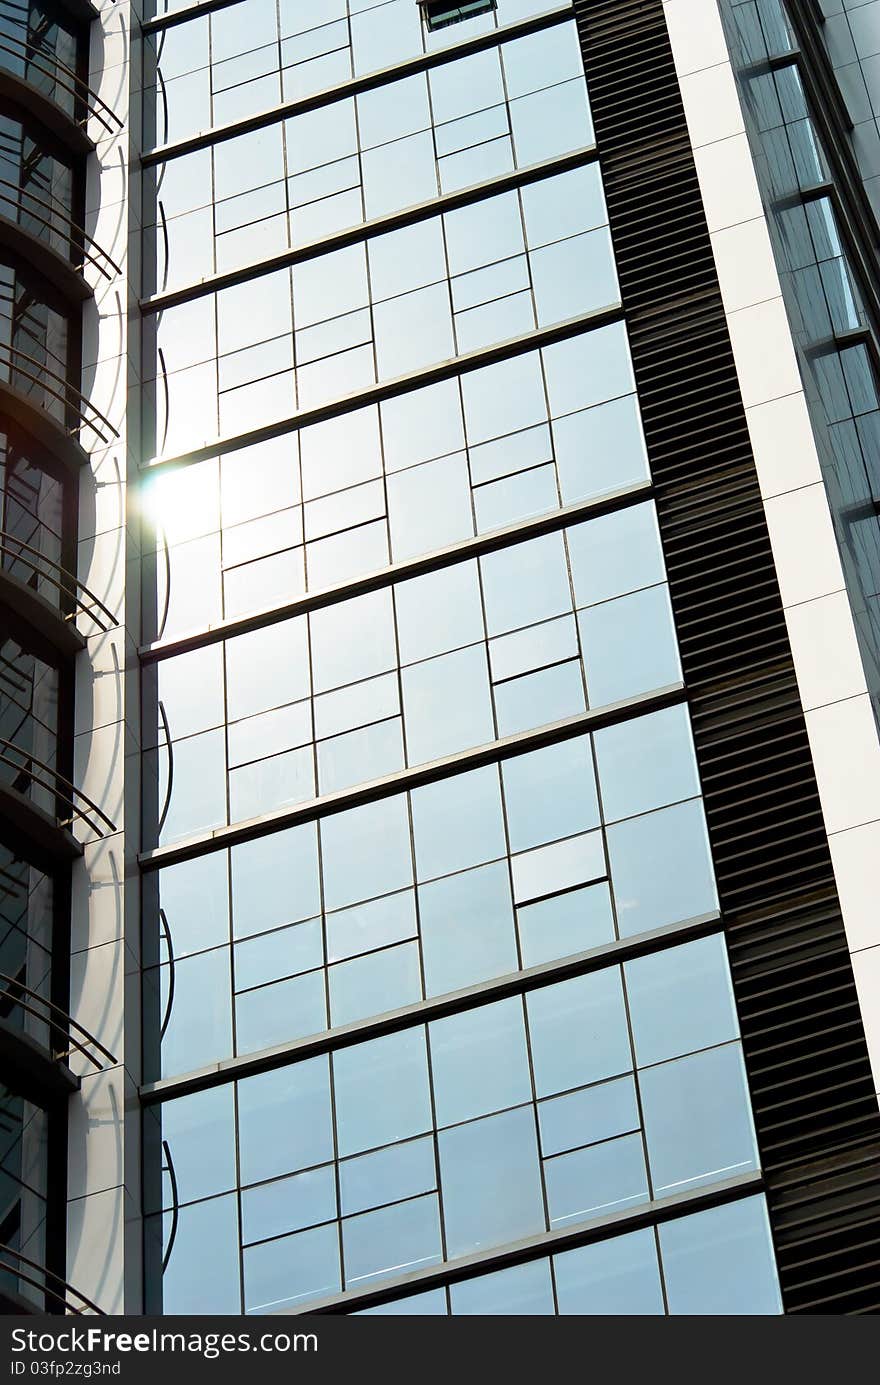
x,y
441,13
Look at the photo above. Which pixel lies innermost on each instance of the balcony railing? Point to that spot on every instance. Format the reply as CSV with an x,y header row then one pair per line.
x,y
22,58
52,217
69,799
72,597
76,1039
57,1291
35,378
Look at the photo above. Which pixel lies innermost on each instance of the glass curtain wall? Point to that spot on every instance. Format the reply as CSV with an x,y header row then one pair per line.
x,y
425,856
42,188
831,322
26,914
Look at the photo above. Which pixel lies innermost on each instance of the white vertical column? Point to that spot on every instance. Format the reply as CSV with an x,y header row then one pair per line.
x,y
831,679
103,1254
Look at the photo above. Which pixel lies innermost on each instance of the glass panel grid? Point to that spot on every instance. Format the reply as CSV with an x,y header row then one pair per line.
x,y
415,672
428,892
682,1267
388,483
246,58
501,1113
374,311
482,1120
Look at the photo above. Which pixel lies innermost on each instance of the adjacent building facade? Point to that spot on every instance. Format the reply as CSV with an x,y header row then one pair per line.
x,y
440,576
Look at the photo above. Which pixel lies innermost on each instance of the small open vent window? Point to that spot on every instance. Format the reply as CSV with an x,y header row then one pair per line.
x,y
439,14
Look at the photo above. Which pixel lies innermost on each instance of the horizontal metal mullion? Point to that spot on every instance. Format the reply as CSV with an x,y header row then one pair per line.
x,y
390,389
437,1007
366,230
422,62
399,572
415,777
630,1219
156,23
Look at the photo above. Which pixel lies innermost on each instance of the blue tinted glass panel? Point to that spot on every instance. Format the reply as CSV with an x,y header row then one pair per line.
x,y
392,1240
479,1061
661,868
371,985
401,1171
680,999
288,1204
522,1291
721,1262
579,1032
284,952
279,1274
565,924
558,867
525,584
458,823
618,1276
366,852
467,928
199,1130
491,1182
284,1120
202,1273
381,1091
646,763
286,1010
195,900
199,1019
596,1181
550,794
275,880
629,646
698,1123
584,1117
616,553
382,921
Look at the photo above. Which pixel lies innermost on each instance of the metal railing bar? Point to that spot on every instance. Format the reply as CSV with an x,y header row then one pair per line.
x,y
20,48
50,1274
69,1021
169,746
41,783
5,539
169,942
70,225
175,1204
60,779
44,1019
72,398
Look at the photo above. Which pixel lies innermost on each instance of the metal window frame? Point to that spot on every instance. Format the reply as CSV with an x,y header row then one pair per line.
x,y
374,226
389,389
654,1213
327,804
284,110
